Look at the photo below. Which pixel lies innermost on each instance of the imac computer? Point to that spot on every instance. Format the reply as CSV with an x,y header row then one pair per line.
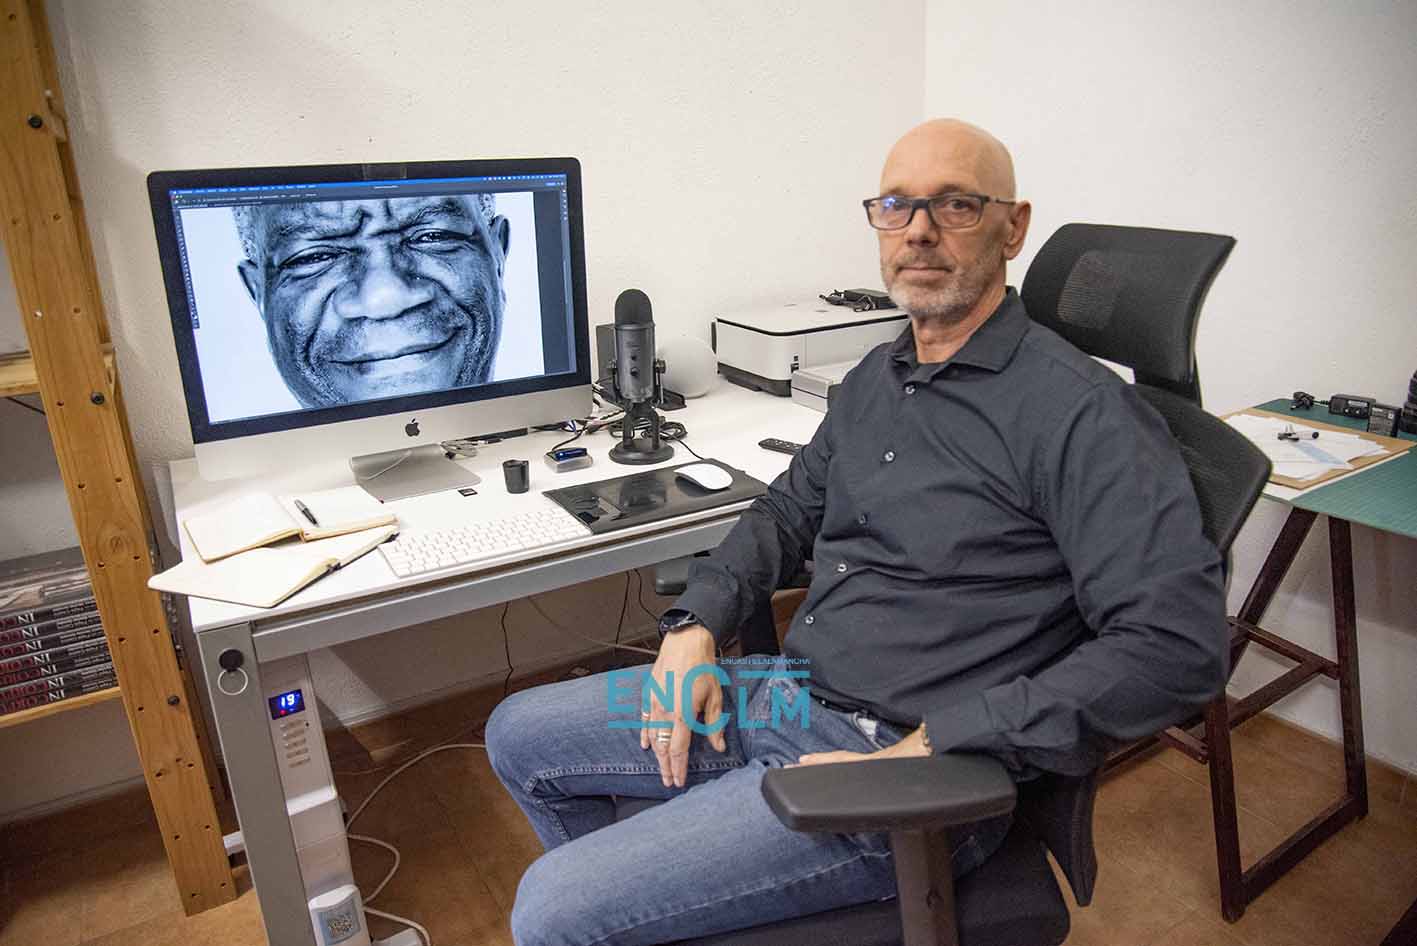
x,y
372,311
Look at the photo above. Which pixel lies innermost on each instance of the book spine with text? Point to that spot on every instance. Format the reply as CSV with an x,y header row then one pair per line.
x,y
42,628
50,640
56,660
59,681
98,682
47,613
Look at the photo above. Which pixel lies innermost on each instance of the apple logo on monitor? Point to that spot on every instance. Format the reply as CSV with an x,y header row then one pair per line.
x,y
411,428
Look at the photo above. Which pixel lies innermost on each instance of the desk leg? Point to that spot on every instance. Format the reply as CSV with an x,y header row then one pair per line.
x,y
1239,887
1345,630
243,727
1276,564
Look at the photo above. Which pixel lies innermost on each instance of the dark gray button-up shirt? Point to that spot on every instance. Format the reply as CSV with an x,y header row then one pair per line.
x,y
1007,546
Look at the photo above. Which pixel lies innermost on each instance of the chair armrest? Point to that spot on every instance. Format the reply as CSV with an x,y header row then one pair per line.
x,y
890,794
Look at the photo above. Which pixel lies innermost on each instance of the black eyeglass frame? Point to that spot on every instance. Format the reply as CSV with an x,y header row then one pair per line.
x,y
918,203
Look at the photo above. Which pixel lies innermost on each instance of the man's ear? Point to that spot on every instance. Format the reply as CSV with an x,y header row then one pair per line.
x,y
250,275
1018,228
502,232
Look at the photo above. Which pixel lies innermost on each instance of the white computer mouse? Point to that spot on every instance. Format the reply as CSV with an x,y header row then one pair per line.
x,y
706,475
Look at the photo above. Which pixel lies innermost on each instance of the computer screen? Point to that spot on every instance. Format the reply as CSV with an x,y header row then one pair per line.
x,y
309,296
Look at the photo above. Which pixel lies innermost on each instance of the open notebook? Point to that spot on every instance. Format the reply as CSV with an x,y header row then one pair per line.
x,y
260,519
264,577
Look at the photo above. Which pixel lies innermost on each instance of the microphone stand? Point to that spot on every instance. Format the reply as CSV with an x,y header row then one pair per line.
x,y
641,450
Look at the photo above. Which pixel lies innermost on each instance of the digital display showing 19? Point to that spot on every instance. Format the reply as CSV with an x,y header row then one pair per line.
x,y
284,704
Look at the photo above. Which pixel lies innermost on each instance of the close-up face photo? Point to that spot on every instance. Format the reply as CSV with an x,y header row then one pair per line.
x,y
372,299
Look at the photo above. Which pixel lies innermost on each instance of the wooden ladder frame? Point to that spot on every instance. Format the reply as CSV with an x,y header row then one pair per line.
x,y
50,254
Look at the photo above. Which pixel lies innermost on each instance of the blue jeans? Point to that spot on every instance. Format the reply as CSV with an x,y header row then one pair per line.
x,y
714,857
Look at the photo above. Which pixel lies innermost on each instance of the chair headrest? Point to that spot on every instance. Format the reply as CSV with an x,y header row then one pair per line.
x,y
1131,295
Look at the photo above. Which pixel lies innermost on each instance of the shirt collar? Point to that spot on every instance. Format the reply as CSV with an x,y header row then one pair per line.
x,y
991,347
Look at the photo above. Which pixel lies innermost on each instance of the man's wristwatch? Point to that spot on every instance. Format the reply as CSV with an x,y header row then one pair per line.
x,y
676,619
925,739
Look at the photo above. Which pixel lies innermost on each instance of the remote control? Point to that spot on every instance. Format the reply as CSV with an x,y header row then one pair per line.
x,y
780,446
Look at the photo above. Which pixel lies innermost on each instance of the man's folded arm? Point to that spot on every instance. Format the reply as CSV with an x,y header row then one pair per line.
x,y
767,545
1118,499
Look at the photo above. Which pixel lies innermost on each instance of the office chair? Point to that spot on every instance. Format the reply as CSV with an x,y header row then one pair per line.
x,y
1093,259
1116,278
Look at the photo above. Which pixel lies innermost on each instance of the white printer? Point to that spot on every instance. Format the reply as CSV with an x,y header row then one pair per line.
x,y
762,346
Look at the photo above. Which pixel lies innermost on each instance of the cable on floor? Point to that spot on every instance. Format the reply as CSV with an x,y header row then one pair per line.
x,y
427,939
392,870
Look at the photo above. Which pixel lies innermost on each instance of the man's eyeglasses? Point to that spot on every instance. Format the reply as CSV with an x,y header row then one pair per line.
x,y
946,211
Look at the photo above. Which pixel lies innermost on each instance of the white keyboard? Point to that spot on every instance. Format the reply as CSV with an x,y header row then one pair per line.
x,y
414,553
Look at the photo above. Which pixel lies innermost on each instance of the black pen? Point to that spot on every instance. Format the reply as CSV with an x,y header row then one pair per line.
x,y
305,511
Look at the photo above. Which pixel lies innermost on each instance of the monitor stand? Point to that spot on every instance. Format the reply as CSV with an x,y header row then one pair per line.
x,y
416,471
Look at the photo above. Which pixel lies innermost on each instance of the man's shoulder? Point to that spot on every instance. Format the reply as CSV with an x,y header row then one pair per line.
x,y
1059,369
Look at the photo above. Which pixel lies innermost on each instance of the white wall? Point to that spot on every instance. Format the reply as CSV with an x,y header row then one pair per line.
x,y
1291,127
724,147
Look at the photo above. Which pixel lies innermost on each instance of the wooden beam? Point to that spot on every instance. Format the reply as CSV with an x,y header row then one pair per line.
x,y
50,255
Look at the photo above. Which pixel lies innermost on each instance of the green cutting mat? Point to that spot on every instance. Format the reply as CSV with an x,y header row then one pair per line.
x,y
1382,497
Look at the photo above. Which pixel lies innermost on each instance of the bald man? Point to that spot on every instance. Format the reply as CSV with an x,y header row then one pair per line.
x,y
371,299
1008,560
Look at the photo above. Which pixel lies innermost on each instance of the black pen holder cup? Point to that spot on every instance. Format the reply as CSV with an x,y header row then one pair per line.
x,y
517,474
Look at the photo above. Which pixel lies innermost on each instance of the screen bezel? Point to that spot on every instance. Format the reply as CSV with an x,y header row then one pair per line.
x,y
162,183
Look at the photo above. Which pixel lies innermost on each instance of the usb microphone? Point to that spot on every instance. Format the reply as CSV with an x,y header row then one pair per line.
x,y
635,374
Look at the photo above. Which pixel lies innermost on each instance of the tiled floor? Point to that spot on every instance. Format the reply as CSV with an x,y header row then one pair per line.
x,y
97,877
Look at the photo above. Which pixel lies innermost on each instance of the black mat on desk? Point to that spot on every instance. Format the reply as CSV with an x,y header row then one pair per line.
x,y
649,496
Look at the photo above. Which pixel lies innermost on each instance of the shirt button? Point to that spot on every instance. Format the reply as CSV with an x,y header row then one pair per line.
x,y
889,456
910,389
808,619
841,567
861,519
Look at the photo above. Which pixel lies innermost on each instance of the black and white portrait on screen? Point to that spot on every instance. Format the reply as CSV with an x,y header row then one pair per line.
x,y
324,303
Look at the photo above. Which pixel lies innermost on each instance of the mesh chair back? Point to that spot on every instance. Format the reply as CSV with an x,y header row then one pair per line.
x,y
1131,295
1227,471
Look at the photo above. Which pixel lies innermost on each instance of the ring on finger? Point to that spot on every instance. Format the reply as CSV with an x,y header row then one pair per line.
x,y
663,736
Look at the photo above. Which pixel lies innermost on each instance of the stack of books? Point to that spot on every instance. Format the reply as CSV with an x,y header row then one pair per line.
x,y
52,646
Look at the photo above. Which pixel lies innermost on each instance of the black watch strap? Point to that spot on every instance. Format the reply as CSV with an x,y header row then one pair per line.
x,y
676,619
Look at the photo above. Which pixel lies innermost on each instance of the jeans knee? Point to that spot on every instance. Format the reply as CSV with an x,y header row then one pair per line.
x,y
540,915
505,733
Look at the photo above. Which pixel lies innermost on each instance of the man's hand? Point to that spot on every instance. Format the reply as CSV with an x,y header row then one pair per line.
x,y
682,651
911,745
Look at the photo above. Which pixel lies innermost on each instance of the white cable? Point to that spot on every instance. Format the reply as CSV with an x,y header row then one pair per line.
x,y
392,870
411,762
427,940
364,479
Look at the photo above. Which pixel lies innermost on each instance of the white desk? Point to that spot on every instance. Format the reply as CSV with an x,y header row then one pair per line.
x,y
366,598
